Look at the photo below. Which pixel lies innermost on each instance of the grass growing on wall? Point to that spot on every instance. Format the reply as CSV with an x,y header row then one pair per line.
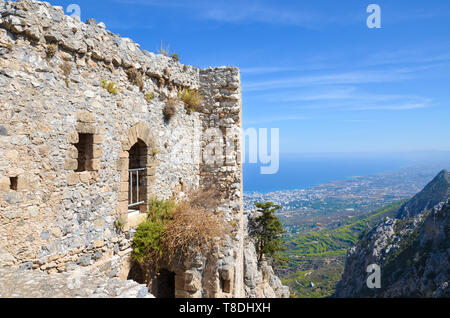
x,y
110,86
191,99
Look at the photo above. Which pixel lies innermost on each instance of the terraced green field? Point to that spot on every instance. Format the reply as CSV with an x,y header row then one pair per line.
x,y
319,257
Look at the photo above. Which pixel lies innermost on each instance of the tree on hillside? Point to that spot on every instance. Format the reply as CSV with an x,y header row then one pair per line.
x,y
268,230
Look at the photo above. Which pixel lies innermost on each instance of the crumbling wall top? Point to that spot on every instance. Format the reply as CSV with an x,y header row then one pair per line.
x,y
42,23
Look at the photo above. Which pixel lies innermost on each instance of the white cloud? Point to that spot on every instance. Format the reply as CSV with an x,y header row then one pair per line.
x,y
250,11
345,78
264,70
274,119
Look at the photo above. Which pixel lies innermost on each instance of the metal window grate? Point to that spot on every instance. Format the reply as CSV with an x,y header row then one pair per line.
x,y
136,176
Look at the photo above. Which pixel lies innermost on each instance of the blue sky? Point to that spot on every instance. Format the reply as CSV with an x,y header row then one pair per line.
x,y
312,68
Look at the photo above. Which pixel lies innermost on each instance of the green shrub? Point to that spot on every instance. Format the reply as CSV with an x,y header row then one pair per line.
x,y
155,151
149,96
110,86
175,57
148,237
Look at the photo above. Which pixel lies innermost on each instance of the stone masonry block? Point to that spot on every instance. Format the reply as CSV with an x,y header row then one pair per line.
x,y
94,164
122,207
98,139
134,134
126,145
122,164
73,138
23,182
151,171
124,176
73,178
85,177
72,152
148,140
124,186
132,140
123,195
86,117
151,180
4,184
97,151
71,164
86,128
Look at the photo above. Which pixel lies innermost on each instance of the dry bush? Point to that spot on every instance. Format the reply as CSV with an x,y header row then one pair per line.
x,y
136,78
66,67
206,199
164,50
161,82
193,229
192,99
51,50
170,109
195,226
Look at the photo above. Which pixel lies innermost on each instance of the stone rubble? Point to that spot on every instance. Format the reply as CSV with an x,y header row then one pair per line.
x,y
20,283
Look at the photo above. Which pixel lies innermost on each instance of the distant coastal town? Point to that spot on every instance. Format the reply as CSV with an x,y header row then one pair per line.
x,y
341,199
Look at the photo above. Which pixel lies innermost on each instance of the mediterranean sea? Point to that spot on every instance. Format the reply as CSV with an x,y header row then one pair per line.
x,y
305,171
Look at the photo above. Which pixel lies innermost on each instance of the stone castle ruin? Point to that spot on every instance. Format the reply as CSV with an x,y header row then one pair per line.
x,y
85,144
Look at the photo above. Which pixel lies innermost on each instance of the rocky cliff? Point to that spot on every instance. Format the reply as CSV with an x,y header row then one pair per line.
x,y
413,253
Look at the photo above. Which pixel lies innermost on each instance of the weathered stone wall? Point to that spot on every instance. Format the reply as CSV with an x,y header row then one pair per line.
x,y
55,217
56,107
221,167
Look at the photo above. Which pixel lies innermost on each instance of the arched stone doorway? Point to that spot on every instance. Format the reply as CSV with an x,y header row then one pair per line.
x,y
136,273
163,285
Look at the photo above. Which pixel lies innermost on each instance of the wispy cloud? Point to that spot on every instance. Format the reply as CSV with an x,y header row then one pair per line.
x,y
345,78
275,119
411,56
264,70
345,99
371,103
250,11
241,11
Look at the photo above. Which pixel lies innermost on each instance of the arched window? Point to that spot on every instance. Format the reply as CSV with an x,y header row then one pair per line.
x,y
137,169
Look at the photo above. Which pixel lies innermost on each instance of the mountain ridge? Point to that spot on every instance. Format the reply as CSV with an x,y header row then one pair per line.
x,y
412,250
438,190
